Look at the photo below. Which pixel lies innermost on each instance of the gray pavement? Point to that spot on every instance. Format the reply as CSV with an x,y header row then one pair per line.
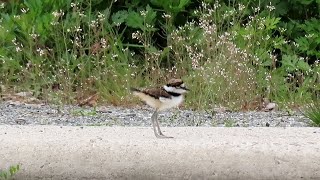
x,y
96,152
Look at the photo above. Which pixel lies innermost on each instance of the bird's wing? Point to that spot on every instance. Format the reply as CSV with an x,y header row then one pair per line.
x,y
157,92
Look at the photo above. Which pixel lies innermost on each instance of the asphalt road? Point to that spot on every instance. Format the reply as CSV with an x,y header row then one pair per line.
x,y
54,152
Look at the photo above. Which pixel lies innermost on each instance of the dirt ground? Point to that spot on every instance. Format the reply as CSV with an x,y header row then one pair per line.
x,y
54,152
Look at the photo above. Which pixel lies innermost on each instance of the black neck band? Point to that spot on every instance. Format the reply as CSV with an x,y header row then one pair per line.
x,y
173,93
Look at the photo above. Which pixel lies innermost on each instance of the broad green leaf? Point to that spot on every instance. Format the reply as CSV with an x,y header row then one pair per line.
x,y
172,6
183,4
306,2
119,17
150,16
302,65
165,4
134,20
271,23
281,8
303,43
288,62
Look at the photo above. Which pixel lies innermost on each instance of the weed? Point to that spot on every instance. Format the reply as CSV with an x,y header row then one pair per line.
x,y
83,112
174,117
6,175
214,122
195,120
229,123
312,111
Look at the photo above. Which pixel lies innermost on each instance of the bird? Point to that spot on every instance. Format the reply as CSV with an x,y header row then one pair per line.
x,y
162,98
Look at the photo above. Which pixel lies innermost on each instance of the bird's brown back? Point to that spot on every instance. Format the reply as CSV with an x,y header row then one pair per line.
x,y
156,92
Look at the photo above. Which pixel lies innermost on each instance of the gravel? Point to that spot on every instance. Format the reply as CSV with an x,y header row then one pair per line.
x,y
40,114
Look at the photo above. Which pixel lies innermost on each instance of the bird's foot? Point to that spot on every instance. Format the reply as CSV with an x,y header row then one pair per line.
x,y
162,136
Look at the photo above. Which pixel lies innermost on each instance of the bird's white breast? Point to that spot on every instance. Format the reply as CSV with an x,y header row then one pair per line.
x,y
167,103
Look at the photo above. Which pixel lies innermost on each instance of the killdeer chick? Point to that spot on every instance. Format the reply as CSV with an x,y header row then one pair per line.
x,y
162,98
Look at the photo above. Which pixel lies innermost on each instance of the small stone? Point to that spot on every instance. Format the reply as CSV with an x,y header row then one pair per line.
x,y
14,103
131,115
267,124
103,109
24,94
220,110
270,107
20,121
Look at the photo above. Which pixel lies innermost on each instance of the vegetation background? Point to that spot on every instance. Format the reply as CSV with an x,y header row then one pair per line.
x,y
230,53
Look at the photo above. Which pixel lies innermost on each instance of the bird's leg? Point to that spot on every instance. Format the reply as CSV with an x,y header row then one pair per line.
x,y
153,120
158,127
157,123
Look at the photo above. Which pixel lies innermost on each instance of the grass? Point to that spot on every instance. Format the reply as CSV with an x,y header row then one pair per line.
x,y
312,111
6,175
229,123
66,52
83,112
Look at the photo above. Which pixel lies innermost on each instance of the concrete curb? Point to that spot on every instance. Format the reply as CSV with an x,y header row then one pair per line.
x,y
53,152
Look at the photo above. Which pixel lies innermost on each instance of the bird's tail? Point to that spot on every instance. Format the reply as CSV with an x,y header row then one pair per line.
x,y
134,89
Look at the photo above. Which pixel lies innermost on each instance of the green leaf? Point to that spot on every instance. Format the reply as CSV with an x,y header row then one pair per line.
x,y
183,3
165,4
171,6
165,52
150,16
271,23
288,62
134,20
292,63
119,17
305,2
281,8
303,43
302,65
